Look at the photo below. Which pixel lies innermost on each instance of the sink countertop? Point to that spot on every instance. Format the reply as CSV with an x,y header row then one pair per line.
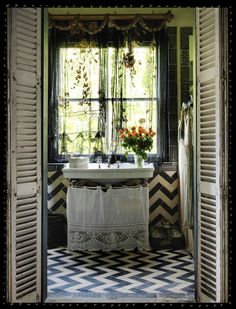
x,y
124,171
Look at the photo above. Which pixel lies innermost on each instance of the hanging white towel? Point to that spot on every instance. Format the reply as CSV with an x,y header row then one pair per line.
x,y
185,167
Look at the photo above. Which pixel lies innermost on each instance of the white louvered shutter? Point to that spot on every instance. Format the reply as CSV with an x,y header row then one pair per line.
x,y
24,154
209,155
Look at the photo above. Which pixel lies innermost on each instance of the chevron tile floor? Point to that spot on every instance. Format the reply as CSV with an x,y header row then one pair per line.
x,y
120,276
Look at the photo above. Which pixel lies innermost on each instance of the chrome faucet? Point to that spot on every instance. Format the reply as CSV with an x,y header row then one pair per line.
x,y
109,161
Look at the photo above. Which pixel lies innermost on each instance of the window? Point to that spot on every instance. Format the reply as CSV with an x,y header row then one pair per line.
x,y
99,93
105,75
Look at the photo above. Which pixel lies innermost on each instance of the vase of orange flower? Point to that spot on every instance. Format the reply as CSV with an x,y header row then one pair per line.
x,y
139,140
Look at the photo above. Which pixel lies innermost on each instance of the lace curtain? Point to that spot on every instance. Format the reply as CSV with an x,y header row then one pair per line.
x,y
112,220
101,101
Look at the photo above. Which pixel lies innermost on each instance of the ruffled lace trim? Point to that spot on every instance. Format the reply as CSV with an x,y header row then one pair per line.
x,y
95,240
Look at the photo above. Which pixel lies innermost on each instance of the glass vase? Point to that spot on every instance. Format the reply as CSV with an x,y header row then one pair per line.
x,y
138,160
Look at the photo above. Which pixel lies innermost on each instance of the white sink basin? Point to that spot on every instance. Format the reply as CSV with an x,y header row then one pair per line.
x,y
112,174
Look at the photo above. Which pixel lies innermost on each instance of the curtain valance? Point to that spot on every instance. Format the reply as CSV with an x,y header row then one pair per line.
x,y
93,24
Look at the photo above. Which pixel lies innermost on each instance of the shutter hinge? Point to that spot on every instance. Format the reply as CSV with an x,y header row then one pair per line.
x,y
39,81
9,187
13,76
224,85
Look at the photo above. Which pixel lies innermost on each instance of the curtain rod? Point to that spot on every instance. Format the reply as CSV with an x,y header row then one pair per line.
x,y
168,16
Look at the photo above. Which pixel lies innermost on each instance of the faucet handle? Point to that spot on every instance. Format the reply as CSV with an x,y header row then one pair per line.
x,y
118,163
99,161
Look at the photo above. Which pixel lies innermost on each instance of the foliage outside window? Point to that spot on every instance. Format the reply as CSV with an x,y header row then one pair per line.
x,y
102,90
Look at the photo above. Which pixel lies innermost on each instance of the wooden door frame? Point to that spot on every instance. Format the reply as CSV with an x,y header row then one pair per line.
x,y
45,160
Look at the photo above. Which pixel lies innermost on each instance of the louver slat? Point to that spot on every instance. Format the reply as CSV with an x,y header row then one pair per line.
x,y
209,154
207,121
25,154
209,262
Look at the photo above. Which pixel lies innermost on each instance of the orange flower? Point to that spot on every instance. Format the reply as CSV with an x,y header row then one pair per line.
x,y
142,129
137,139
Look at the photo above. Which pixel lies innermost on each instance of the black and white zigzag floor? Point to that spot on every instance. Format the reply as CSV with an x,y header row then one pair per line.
x,y
120,275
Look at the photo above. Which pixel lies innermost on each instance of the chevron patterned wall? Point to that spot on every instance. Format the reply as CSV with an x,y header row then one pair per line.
x,y
163,198
163,194
57,188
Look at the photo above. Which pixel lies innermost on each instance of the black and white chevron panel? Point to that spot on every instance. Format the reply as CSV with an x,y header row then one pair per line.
x,y
164,198
57,189
167,274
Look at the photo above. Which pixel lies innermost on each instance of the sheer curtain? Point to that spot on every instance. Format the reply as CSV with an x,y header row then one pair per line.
x,y
112,220
53,94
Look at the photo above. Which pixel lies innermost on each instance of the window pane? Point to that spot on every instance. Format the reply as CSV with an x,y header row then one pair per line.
x,y
137,110
78,67
80,123
139,90
78,118
141,81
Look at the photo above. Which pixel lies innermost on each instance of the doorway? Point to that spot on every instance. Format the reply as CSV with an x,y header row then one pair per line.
x,y
143,278
25,261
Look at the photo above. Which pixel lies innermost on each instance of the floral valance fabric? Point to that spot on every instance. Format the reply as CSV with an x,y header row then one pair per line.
x,y
78,24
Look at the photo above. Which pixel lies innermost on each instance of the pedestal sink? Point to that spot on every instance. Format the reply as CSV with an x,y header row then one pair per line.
x,y
113,174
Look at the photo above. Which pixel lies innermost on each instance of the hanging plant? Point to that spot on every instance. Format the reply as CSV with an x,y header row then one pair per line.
x,y
98,141
81,70
80,142
128,58
64,137
82,75
129,61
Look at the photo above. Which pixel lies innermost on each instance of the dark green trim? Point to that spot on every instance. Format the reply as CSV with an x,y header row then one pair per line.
x,y
185,32
172,95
